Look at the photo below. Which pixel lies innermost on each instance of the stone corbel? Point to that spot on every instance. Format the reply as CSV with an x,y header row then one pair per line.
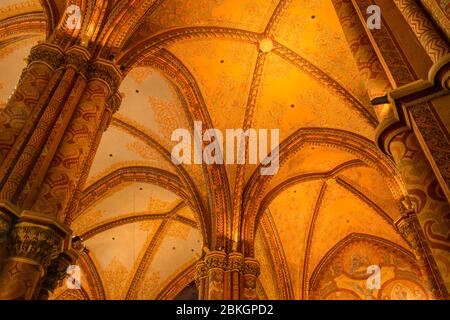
x,y
408,104
398,118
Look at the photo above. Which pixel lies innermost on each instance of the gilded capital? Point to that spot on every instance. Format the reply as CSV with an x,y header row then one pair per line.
x,y
251,267
34,242
107,72
235,262
78,58
216,260
49,54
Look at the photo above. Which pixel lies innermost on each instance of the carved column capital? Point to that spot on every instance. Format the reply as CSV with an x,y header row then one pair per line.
x,y
107,72
251,267
201,271
216,260
407,228
78,57
35,243
221,275
49,54
235,262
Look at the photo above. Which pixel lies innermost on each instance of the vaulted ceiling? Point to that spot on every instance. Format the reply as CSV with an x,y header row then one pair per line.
x,y
261,64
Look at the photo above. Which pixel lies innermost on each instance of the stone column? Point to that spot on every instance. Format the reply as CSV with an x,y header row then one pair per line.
x,y
112,105
430,38
201,280
73,152
236,265
429,203
377,85
249,279
222,276
47,161
34,87
216,264
26,164
409,227
32,245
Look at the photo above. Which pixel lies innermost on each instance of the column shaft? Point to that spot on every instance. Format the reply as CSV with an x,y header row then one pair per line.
x,y
29,96
427,198
430,38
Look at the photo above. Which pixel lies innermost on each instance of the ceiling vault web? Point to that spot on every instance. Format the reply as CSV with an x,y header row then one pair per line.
x,y
147,258
138,217
155,43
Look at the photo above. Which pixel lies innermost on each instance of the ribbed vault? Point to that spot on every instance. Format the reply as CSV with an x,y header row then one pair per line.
x,y
145,220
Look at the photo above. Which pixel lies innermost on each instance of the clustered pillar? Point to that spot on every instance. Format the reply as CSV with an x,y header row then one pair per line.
x,y
428,200
429,204
222,276
61,106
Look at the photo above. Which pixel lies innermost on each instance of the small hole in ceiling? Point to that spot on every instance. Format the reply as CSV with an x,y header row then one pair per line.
x,y
313,17
292,105
137,91
348,221
113,238
221,61
192,250
110,155
173,248
295,191
141,188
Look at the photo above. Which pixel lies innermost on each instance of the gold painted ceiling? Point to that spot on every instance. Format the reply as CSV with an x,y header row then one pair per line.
x,y
140,214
